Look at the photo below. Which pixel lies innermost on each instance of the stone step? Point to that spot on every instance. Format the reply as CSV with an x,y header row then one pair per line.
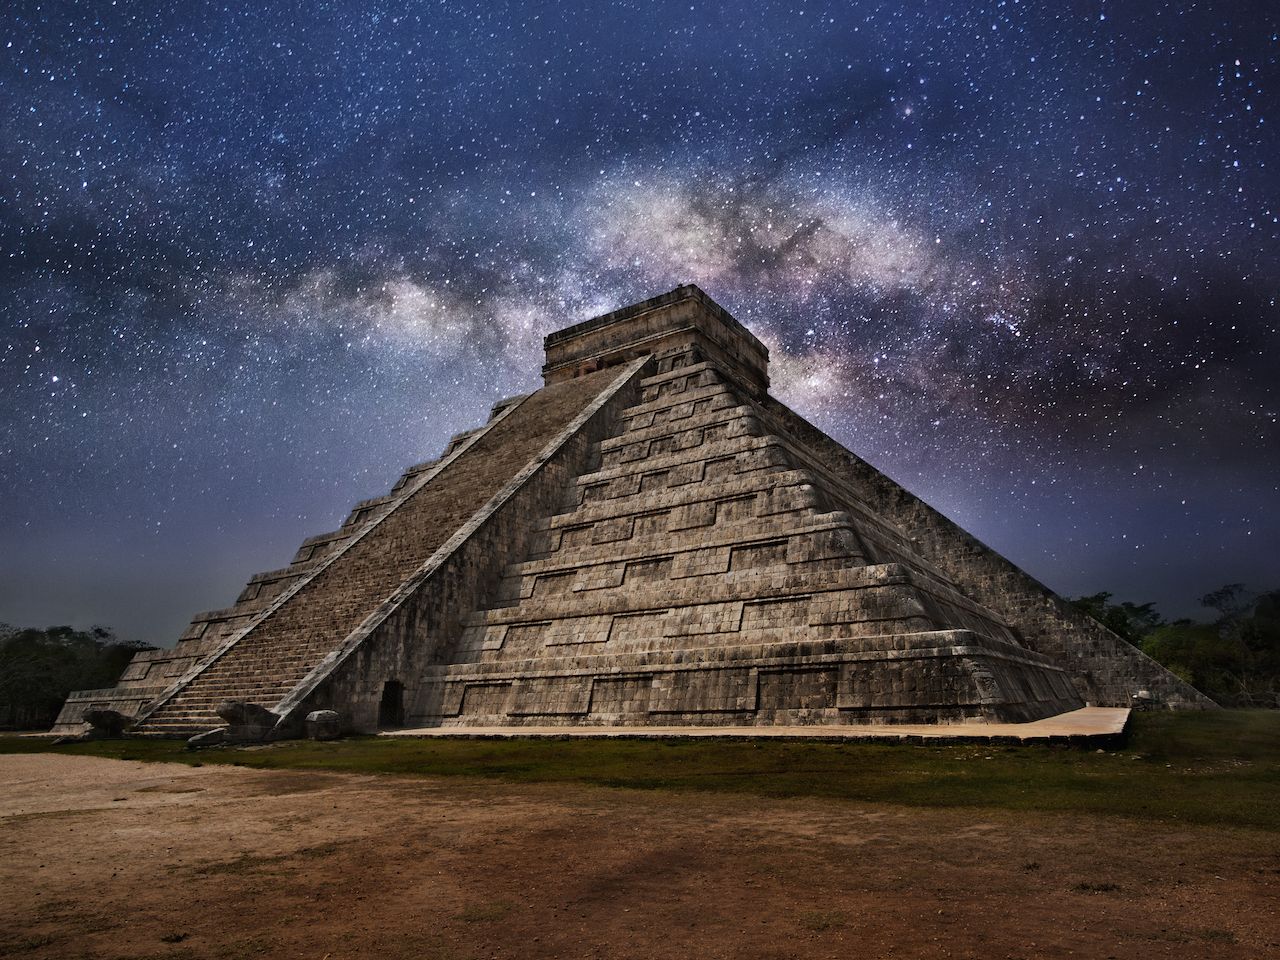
x,y
725,536
633,451
695,399
716,581
769,488
869,524
893,645
688,465
654,633
263,695
721,543
680,374
736,587
711,475
832,595
685,426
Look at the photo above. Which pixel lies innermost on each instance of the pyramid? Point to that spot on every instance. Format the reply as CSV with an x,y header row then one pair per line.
x,y
648,539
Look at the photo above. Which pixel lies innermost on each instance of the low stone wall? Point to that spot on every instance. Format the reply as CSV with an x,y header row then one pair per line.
x,y
125,700
933,677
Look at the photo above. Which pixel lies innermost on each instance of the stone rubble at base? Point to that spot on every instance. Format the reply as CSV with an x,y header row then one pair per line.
x,y
650,539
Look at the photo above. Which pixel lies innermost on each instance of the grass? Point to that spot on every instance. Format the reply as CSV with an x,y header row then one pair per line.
x,y
1215,768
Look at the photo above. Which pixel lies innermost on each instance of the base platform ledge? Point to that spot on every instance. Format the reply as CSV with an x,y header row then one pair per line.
x,y
1087,722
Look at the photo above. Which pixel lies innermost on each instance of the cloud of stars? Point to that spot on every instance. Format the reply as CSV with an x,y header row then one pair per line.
x,y
1025,259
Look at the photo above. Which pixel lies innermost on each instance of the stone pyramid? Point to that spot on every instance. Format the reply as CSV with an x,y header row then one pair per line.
x,y
648,539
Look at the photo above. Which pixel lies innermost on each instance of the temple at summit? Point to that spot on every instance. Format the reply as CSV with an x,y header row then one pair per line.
x,y
650,538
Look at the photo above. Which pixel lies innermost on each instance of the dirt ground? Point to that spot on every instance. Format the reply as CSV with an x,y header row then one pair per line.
x,y
104,858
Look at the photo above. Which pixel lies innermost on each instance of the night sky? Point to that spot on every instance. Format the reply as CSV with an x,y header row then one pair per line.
x,y
256,258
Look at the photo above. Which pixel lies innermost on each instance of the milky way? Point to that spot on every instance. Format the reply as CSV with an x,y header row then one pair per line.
x,y
1022,257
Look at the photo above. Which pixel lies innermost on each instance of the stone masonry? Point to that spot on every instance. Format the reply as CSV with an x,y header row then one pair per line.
x,y
648,539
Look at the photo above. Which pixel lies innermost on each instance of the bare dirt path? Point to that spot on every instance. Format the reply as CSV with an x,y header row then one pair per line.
x,y
105,858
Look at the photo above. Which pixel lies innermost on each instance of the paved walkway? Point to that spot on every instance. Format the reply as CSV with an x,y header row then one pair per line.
x,y
1087,722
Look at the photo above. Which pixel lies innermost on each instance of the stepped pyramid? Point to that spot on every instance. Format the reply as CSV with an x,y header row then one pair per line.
x,y
648,539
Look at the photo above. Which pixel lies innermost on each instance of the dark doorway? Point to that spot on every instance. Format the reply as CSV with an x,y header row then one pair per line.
x,y
391,709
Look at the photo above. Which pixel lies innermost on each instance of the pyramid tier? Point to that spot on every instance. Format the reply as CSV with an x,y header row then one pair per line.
x,y
930,677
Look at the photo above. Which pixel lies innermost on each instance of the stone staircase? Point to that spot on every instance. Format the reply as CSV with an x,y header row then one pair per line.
x,y
284,646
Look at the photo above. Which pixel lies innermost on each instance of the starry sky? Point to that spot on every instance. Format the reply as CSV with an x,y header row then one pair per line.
x,y
256,258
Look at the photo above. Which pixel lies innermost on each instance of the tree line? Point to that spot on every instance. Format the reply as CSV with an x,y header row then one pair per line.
x,y
38,668
1235,658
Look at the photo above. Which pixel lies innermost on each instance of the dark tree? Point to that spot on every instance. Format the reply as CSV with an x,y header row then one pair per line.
x,y
1129,620
1235,659
38,668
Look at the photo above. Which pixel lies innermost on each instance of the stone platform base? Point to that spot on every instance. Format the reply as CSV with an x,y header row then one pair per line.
x,y
1087,722
125,700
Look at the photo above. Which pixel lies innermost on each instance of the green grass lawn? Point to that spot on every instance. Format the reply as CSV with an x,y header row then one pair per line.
x,y
1218,767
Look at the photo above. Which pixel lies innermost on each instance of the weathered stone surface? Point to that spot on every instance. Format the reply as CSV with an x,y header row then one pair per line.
x,y
104,723
649,539
237,713
324,725
246,721
210,738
